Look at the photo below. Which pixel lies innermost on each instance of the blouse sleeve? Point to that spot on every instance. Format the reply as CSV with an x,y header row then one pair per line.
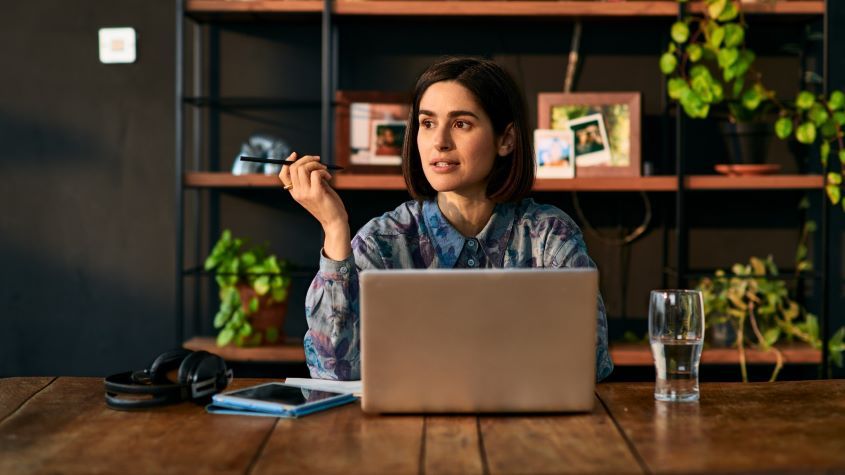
x,y
565,248
332,342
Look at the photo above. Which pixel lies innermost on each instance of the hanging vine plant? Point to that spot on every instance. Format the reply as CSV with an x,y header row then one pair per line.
x,y
708,63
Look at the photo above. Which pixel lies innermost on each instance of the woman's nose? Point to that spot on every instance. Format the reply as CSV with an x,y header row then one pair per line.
x,y
442,140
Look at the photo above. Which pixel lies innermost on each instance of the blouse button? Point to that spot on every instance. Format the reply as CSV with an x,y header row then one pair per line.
x,y
343,270
471,243
471,262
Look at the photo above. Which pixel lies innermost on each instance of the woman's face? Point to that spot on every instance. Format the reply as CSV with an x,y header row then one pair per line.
x,y
456,140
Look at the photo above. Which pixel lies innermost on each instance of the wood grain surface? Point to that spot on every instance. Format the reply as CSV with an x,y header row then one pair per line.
x,y
344,440
787,427
571,443
15,391
452,445
67,428
63,426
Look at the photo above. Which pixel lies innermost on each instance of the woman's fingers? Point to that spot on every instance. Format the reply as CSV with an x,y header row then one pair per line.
x,y
301,172
284,174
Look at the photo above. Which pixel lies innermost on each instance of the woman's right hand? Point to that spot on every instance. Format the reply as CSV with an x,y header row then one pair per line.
x,y
310,189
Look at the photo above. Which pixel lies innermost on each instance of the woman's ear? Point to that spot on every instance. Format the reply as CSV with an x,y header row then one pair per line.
x,y
506,141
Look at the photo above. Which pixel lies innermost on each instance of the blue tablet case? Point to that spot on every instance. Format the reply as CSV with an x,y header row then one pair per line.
x,y
222,408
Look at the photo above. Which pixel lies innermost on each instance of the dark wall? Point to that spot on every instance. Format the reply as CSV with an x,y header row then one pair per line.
x,y
86,160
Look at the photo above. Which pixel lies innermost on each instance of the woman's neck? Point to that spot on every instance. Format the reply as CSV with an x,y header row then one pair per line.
x,y
468,214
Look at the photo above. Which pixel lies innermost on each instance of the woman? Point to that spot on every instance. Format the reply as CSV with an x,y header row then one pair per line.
x,y
468,164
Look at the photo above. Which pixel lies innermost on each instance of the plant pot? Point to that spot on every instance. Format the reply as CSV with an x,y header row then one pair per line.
x,y
747,143
270,316
721,335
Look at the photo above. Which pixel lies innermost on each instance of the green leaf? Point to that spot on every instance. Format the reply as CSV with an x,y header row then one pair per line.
x,y
253,305
738,85
805,100
262,285
676,87
824,151
221,318
834,178
812,326
810,225
694,51
693,105
828,129
700,70
248,259
839,117
716,7
771,336
818,114
833,193
245,330
729,13
716,37
837,100
806,133
842,156
783,127
727,57
746,59
751,98
801,253
225,337
680,32
734,35
668,63
271,335
279,294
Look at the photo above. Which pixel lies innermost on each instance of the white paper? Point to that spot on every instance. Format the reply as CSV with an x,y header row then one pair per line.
x,y
353,387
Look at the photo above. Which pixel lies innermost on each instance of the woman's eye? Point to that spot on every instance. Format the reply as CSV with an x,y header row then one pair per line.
x,y
427,124
461,124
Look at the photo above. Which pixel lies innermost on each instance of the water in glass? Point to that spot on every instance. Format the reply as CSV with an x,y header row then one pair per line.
x,y
676,332
676,362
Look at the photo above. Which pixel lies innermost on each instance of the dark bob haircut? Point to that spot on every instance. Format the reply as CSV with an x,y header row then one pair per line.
x,y
512,176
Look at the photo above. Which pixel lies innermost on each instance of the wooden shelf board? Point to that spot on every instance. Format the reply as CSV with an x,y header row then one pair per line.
x,y
254,6
291,351
639,354
488,8
760,182
649,183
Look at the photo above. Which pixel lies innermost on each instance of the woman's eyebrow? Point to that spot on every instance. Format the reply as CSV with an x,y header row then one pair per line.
x,y
450,114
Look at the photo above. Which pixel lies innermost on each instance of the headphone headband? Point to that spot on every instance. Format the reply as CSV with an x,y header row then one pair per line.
x,y
201,374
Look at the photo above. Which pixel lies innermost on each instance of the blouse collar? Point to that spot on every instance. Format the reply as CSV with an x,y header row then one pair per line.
x,y
448,242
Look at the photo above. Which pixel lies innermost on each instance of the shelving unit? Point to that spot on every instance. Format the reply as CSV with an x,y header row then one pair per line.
x,y
326,14
649,183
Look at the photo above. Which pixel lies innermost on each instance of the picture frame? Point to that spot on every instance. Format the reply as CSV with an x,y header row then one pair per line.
x,y
621,121
359,115
554,154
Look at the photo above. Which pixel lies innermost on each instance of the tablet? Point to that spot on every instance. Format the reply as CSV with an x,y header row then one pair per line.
x,y
281,399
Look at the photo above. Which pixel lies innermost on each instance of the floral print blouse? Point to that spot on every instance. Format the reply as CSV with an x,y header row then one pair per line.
x,y
417,235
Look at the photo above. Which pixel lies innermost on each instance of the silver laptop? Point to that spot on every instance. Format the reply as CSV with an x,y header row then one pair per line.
x,y
503,340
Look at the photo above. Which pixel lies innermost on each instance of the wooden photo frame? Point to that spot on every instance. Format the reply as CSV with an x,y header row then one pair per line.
x,y
621,113
359,116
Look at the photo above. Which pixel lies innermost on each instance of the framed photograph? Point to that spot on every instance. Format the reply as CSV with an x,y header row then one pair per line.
x,y
386,142
592,148
618,126
370,130
554,153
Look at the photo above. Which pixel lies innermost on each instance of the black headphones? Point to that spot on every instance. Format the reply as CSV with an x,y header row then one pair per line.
x,y
200,375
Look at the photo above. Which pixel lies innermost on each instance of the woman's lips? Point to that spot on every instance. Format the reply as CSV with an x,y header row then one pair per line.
x,y
443,166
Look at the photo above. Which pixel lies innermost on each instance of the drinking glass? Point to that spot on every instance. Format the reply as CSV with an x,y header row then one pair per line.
x,y
676,333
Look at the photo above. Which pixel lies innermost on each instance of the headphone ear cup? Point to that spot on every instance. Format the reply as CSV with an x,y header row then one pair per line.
x,y
188,367
166,362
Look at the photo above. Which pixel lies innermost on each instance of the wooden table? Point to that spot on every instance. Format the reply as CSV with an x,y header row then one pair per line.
x,y
62,425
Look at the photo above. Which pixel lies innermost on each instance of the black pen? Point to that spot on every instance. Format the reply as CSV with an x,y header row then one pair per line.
x,y
281,162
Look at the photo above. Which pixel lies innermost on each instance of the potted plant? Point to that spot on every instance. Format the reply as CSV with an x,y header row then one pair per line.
x,y
755,304
253,293
707,64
